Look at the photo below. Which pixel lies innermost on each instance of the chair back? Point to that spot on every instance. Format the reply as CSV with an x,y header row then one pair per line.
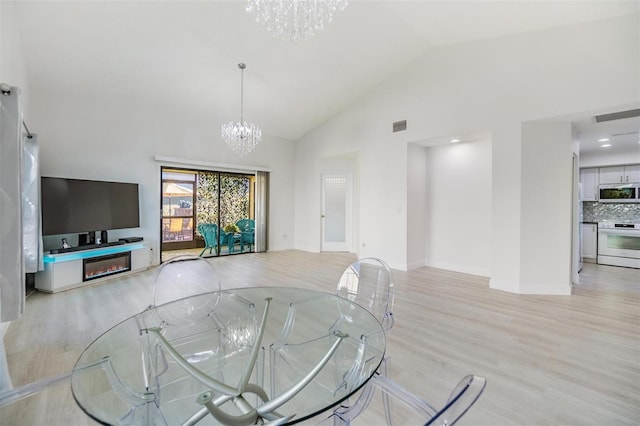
x,y
368,282
209,232
183,276
246,225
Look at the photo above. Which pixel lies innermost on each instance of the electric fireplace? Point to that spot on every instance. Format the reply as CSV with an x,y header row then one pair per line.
x,y
102,266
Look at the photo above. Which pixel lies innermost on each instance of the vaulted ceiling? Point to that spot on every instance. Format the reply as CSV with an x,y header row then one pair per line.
x,y
186,52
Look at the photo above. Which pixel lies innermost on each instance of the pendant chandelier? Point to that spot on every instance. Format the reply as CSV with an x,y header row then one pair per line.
x,y
295,20
242,137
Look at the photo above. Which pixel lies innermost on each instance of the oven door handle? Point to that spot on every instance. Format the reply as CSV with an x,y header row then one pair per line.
x,y
629,232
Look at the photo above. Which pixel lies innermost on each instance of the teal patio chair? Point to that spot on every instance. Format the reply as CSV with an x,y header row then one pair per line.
x,y
247,232
209,232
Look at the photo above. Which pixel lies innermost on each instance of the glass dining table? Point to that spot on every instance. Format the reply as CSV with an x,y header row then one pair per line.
x,y
257,355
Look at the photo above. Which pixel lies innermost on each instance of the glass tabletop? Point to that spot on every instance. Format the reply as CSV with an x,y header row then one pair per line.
x,y
230,357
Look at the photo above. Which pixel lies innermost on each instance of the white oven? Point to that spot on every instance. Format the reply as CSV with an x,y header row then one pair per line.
x,y
619,244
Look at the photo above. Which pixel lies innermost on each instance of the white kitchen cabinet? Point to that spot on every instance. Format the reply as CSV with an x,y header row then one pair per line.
x,y
589,246
589,184
620,174
633,173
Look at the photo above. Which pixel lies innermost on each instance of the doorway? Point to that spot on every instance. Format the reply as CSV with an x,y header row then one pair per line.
x,y
207,213
336,217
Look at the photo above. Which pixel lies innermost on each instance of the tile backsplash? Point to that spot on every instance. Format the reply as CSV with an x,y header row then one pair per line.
x,y
593,211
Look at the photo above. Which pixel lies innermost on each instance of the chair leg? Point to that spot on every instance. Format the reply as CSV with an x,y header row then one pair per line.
x,y
384,367
339,421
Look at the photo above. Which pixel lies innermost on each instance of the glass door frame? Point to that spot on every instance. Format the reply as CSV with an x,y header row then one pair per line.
x,y
187,240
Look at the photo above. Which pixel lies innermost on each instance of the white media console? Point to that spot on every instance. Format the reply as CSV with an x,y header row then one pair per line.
x,y
63,271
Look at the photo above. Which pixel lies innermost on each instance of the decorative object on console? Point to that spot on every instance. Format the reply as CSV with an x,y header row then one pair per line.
x,y
131,239
242,137
294,20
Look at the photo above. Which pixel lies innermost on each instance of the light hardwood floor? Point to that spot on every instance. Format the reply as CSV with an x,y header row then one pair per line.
x,y
548,360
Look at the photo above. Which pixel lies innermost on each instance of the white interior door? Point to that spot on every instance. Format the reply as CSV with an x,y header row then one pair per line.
x,y
336,217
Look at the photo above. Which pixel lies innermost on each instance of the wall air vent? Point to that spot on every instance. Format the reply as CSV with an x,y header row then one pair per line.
x,y
617,115
399,126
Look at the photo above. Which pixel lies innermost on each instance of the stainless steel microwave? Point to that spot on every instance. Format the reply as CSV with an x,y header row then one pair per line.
x,y
620,193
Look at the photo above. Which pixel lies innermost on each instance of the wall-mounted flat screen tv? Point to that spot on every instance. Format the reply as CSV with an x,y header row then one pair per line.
x,y
75,205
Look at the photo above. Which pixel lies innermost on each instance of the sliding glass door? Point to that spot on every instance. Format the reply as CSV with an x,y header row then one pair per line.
x,y
217,210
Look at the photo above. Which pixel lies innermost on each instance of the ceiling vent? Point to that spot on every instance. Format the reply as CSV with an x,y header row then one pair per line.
x,y
399,126
618,115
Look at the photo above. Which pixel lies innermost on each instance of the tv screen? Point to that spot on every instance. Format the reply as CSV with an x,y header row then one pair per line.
x,y
75,205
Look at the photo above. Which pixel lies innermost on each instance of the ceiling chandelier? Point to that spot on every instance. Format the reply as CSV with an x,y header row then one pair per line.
x,y
295,20
241,136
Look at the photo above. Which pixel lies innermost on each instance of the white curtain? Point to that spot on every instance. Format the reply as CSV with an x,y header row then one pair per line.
x,y
262,197
12,273
31,228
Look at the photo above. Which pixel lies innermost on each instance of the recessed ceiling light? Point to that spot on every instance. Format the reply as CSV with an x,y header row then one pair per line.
x,y
605,145
603,140
454,140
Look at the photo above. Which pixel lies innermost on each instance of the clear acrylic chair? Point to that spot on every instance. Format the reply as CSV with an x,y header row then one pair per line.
x,y
185,322
174,280
463,396
183,276
367,282
189,340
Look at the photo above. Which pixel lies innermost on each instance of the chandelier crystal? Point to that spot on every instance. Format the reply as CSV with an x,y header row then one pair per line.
x,y
295,20
242,137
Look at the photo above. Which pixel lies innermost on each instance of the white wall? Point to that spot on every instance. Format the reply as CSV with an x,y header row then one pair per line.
x,y
459,207
604,158
546,232
12,61
505,207
494,84
117,139
418,202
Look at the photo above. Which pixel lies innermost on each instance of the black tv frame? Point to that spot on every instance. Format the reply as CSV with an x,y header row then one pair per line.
x,y
72,206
